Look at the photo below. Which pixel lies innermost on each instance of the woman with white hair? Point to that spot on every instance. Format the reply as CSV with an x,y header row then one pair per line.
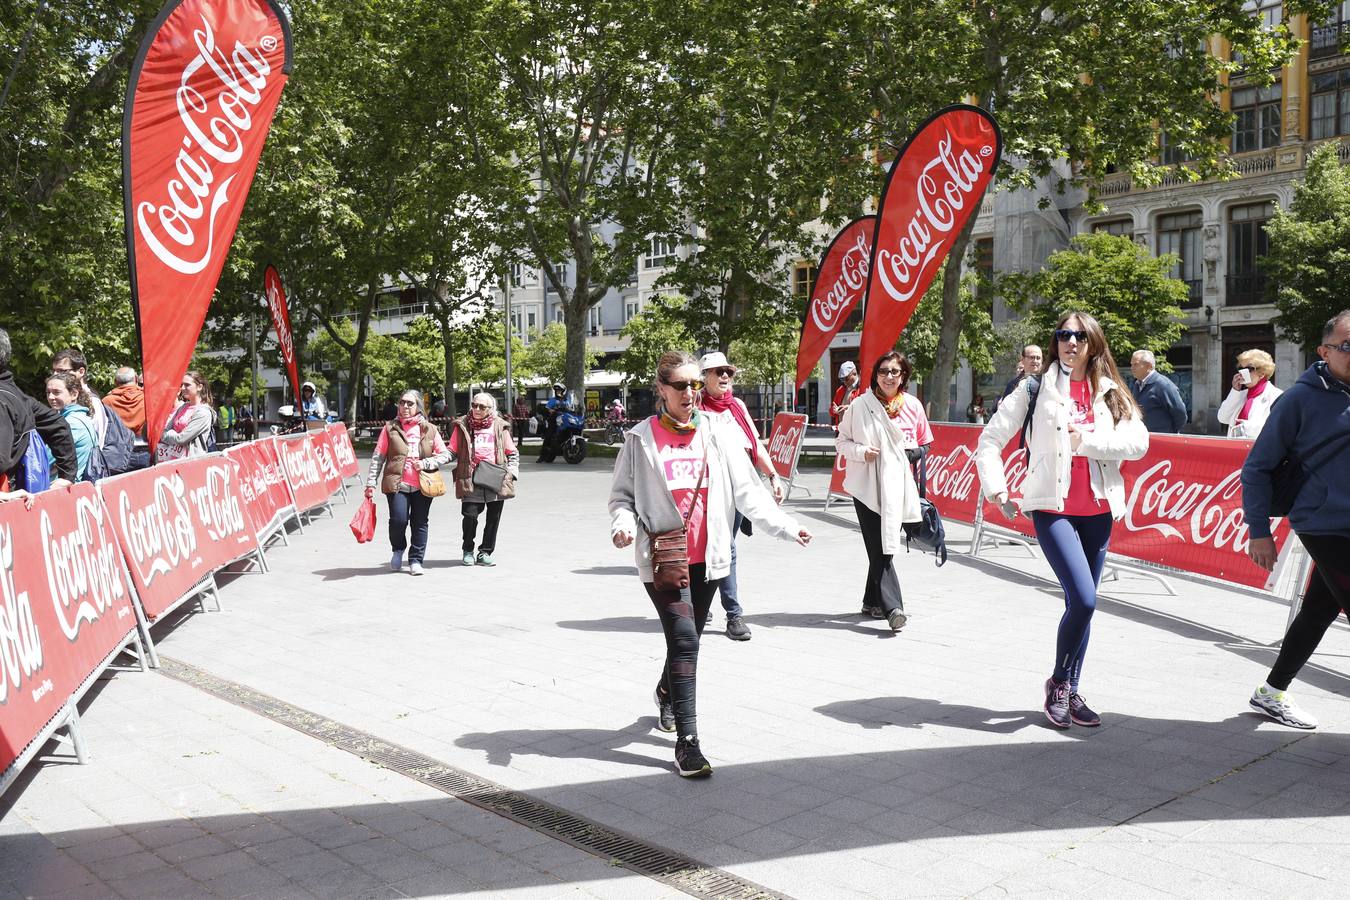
x,y
406,447
1247,405
487,465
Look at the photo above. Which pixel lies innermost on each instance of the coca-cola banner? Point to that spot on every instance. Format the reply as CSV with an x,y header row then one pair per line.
x,y
840,283
837,476
200,100
325,453
64,607
346,453
934,186
176,523
785,442
1184,500
262,484
300,462
281,321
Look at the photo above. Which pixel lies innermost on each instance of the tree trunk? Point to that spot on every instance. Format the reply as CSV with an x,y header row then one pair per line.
x,y
354,366
447,346
949,334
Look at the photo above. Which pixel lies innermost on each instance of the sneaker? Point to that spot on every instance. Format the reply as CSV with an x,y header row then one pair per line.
x,y
665,711
1057,703
689,759
875,612
468,557
1080,713
396,561
897,619
737,630
415,568
1281,707
485,559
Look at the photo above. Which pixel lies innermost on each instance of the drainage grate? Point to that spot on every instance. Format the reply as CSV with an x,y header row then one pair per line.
x,y
668,867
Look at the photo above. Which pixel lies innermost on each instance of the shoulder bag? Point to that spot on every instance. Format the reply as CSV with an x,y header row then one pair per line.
x,y
494,478
928,532
670,549
429,481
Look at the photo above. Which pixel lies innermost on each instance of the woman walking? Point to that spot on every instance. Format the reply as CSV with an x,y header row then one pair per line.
x,y
1248,404
407,447
187,432
67,396
680,480
881,434
1081,424
481,437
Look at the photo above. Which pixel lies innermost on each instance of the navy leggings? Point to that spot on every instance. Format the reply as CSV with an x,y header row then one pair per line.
x,y
1075,547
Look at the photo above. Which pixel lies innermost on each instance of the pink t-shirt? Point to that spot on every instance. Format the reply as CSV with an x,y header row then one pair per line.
x,y
911,424
484,444
1081,501
412,433
681,458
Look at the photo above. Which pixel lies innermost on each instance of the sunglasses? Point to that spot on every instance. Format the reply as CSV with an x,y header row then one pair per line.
x,y
479,406
724,371
1064,334
889,373
407,403
1343,346
695,385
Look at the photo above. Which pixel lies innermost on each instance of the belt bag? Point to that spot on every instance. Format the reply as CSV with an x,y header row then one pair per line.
x,y
670,549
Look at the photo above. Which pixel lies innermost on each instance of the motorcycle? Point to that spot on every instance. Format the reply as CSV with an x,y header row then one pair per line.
x,y
292,422
567,435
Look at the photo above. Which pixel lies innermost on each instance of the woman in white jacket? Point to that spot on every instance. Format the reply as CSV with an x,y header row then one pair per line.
x,y
1083,426
881,433
680,469
1247,405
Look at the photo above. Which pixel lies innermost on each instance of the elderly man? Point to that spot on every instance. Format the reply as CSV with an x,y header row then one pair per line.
x,y
1158,397
848,389
127,400
1028,366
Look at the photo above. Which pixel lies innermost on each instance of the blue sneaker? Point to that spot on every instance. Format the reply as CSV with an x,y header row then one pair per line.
x,y
396,561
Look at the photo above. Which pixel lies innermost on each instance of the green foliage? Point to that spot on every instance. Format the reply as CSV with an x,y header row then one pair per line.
x,y
546,355
1309,259
1127,290
661,326
394,364
978,341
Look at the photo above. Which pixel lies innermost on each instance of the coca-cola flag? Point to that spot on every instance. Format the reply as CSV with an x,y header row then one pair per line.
x,y
281,321
200,100
935,185
785,443
841,281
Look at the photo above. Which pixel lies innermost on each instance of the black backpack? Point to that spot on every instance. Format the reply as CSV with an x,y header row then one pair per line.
x,y
1033,389
928,532
114,457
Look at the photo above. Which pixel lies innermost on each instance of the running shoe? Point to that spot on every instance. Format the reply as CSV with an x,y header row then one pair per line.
x,y
665,711
415,567
485,559
396,561
468,557
1281,707
897,619
737,630
689,759
1057,703
1080,713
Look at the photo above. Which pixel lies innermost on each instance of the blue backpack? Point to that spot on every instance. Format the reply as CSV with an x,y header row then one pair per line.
x,y
34,474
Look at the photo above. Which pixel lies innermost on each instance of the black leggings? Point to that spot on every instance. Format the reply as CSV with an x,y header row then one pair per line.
x,y
1328,596
683,614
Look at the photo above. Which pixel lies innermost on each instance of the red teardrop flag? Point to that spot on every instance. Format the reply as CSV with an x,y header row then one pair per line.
x,y
841,281
281,320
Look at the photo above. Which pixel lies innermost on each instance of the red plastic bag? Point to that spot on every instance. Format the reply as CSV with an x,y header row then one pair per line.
x,y
363,523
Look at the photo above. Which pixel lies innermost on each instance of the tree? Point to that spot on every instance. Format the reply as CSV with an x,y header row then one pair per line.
x,y
662,325
1309,259
922,336
549,355
1128,291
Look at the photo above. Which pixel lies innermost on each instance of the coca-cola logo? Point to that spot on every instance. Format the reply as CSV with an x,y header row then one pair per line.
x,y
783,445
843,293
946,184
323,450
953,475
160,536
302,466
342,444
1210,514
218,506
84,571
20,640
214,136
276,302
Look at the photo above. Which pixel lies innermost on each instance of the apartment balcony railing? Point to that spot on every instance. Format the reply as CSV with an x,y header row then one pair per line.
x,y
1246,289
1327,40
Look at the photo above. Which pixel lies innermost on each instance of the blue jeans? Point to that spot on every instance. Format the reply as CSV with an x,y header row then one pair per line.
x,y
409,507
730,603
1075,547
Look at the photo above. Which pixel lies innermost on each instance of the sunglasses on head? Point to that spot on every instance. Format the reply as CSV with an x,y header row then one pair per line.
x,y
479,406
728,371
1063,334
889,373
695,385
1343,346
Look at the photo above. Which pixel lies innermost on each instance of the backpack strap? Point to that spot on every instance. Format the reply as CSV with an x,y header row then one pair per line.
x,y
1033,391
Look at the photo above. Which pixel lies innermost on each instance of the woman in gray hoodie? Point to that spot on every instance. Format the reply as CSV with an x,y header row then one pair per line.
x,y
678,470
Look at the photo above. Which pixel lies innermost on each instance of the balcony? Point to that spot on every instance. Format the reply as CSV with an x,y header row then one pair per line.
x,y
1327,40
1245,289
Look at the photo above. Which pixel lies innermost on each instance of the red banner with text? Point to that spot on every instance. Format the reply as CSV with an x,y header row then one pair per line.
x,y
262,483
303,471
327,457
785,442
281,322
346,453
64,606
840,283
837,476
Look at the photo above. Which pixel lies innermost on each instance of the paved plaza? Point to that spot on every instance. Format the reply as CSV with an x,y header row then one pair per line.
x,y
849,761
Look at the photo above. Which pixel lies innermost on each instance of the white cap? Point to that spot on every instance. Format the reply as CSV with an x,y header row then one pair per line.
x,y
714,360
848,368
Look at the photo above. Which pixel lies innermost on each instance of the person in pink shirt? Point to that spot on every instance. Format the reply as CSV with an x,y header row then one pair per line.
x,y
408,445
490,437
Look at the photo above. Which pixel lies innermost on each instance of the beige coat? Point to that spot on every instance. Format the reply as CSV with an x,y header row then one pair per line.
x,y
886,484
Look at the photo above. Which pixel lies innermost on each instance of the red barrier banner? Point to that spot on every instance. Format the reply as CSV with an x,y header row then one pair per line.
x,y
64,607
262,483
934,186
1183,501
346,453
785,442
327,456
301,465
837,476
281,321
176,523
200,99
839,286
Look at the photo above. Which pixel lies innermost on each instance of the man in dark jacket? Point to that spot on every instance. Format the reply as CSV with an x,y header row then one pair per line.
x,y
1159,398
1028,366
20,414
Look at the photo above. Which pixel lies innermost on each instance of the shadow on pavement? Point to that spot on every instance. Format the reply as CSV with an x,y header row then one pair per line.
x,y
647,624
573,743
915,712
607,570
346,573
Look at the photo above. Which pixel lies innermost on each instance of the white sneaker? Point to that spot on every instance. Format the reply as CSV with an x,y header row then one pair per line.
x,y
396,561
415,568
1281,707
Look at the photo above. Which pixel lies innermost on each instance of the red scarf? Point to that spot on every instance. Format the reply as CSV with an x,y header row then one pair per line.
x,y
476,425
1253,392
728,402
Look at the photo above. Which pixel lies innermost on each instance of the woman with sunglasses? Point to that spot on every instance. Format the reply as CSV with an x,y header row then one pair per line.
x,y
489,437
881,433
676,471
1248,404
406,446
1083,425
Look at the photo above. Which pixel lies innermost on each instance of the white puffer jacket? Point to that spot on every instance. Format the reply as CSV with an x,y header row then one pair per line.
x,y
1049,459
1251,426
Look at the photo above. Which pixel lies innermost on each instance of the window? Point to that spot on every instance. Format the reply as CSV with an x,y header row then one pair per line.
x,y
1330,36
1182,359
1118,227
984,267
660,253
1169,154
1256,125
631,307
593,325
1180,234
561,272
1331,104
804,281
525,322
1247,243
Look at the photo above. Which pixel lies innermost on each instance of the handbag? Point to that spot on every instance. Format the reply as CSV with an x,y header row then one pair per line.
x,y
670,549
494,478
1288,478
430,483
928,532
363,523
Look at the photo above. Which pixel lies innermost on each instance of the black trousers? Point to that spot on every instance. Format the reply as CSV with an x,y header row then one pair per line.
x,y
1328,596
683,614
882,590
469,510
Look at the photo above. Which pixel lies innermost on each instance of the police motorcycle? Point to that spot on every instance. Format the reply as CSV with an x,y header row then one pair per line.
x,y
566,436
